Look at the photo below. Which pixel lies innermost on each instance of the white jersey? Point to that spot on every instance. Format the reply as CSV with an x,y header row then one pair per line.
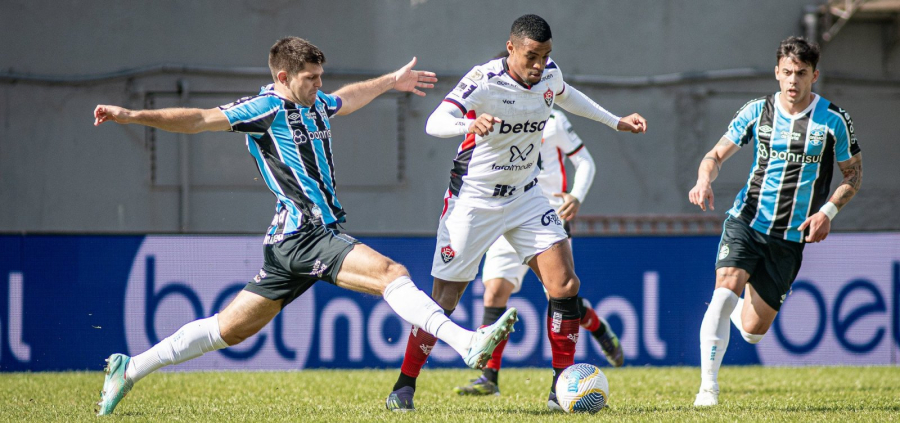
x,y
560,141
504,163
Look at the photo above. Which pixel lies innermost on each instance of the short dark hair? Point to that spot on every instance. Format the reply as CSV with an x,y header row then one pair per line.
x,y
800,49
290,54
532,27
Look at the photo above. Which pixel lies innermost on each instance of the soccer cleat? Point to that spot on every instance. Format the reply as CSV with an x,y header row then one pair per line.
x,y
486,339
553,403
480,386
707,398
401,400
609,343
116,385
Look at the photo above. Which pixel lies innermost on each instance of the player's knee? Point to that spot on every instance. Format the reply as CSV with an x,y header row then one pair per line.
x,y
235,336
394,270
569,288
747,332
752,338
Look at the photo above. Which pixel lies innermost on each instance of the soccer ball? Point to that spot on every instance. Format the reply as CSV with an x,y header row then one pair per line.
x,y
582,388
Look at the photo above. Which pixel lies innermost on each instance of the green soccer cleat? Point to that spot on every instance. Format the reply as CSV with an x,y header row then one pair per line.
x,y
486,339
480,386
116,385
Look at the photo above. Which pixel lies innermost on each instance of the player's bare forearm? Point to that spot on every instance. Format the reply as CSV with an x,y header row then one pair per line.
x,y
356,95
183,120
852,170
711,163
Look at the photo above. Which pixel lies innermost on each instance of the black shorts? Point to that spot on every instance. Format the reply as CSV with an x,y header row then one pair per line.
x,y
772,263
294,264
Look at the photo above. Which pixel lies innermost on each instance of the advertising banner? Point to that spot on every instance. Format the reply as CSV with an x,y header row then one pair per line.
x,y
67,302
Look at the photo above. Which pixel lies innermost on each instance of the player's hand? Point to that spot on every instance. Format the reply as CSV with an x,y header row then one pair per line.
x,y
634,123
407,79
116,114
569,207
819,227
483,125
700,194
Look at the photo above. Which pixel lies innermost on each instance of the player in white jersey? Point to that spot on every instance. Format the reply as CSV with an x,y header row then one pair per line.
x,y
502,107
503,272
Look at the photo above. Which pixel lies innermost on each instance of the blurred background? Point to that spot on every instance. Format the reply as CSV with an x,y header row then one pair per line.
x,y
686,66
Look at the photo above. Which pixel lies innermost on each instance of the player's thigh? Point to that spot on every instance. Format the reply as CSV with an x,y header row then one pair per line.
x,y
771,281
464,234
447,293
739,255
757,315
497,292
247,313
556,270
368,271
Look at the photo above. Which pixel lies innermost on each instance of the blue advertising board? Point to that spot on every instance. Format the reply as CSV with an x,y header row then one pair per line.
x,y
67,302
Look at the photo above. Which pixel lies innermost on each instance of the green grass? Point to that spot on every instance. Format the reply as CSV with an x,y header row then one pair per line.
x,y
637,393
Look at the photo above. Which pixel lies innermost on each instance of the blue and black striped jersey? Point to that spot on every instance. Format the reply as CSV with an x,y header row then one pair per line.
x,y
292,147
793,164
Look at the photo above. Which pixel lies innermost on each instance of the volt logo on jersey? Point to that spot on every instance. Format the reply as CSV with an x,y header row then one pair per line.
x,y
515,153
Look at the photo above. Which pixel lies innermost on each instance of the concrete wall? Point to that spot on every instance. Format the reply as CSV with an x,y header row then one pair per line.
x,y
60,174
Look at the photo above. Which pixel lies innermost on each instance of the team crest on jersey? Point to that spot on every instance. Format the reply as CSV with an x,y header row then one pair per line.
x,y
475,75
548,97
817,137
447,253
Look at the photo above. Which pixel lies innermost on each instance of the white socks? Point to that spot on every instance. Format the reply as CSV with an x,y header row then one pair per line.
x,y
418,309
191,341
714,334
736,319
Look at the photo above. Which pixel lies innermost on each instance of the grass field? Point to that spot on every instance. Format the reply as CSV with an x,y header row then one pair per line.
x,y
638,393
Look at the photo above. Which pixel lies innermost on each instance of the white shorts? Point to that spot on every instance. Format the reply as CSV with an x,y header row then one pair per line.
x,y
469,227
502,262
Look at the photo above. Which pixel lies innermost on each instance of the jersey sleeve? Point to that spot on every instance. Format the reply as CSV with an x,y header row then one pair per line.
x,y
554,77
252,115
740,130
566,138
846,145
467,93
332,103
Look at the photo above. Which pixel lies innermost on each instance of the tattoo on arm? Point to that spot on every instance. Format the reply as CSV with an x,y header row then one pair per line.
x,y
849,186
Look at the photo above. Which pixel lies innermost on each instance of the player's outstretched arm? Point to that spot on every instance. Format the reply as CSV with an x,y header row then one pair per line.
x,y
577,102
708,171
355,96
188,121
820,222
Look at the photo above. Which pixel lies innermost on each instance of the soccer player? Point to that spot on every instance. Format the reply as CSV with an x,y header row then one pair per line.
x,y
502,107
289,134
503,272
796,135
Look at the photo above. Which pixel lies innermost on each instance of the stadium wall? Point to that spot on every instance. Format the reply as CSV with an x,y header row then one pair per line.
x,y
59,174
67,302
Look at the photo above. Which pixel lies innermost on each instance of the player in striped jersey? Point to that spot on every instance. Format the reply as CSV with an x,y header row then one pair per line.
x,y
797,136
289,134
503,273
